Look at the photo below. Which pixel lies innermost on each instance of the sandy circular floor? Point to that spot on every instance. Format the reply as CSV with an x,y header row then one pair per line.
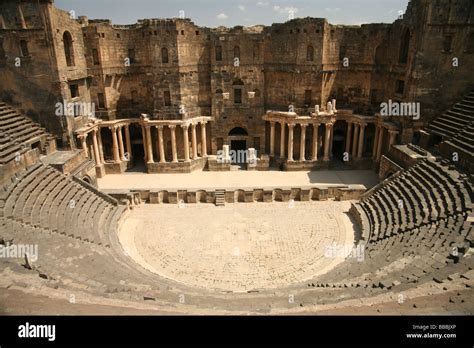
x,y
239,247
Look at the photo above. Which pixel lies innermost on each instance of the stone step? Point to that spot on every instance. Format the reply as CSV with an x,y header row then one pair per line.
x,y
220,198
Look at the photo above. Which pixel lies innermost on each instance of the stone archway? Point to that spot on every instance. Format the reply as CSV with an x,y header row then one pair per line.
x,y
238,140
238,131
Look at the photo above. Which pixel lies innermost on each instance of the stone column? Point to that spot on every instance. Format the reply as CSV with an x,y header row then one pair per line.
x,y
327,139
120,141
186,142
203,139
101,147
282,139
290,141
380,143
376,139
391,140
272,138
127,140
96,148
303,142
84,144
314,151
361,140
354,142
115,144
173,143
148,145
331,141
348,137
161,144
145,147
22,18
194,141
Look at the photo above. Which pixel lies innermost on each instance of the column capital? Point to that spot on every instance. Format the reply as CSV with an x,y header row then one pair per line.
x,y
185,126
172,126
303,125
159,127
193,125
329,124
291,125
203,123
392,131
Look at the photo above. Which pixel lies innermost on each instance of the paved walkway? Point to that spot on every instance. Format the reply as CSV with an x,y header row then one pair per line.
x,y
239,247
238,179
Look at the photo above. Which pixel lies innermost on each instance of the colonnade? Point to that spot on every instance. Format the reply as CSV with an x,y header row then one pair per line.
x,y
119,145
355,140
188,155
122,147
289,144
355,136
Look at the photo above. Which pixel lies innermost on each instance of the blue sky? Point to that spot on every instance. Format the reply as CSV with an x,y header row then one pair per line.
x,y
213,13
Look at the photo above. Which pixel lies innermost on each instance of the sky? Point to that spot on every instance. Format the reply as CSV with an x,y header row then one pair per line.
x,y
229,13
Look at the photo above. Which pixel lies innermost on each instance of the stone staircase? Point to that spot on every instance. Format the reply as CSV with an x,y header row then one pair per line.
x,y
464,140
220,198
425,193
430,252
455,120
17,133
42,197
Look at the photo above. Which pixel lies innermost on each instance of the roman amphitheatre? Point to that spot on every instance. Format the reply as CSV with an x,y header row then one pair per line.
x,y
162,167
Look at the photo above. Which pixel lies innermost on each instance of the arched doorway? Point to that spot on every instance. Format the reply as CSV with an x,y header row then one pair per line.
x,y
238,144
238,139
238,131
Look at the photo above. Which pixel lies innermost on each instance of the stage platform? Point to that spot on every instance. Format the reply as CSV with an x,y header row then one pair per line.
x,y
203,180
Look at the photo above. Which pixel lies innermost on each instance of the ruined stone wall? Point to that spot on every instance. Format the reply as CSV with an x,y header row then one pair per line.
x,y
35,76
27,78
428,74
72,73
194,63
241,68
141,86
293,63
298,63
437,84
354,49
